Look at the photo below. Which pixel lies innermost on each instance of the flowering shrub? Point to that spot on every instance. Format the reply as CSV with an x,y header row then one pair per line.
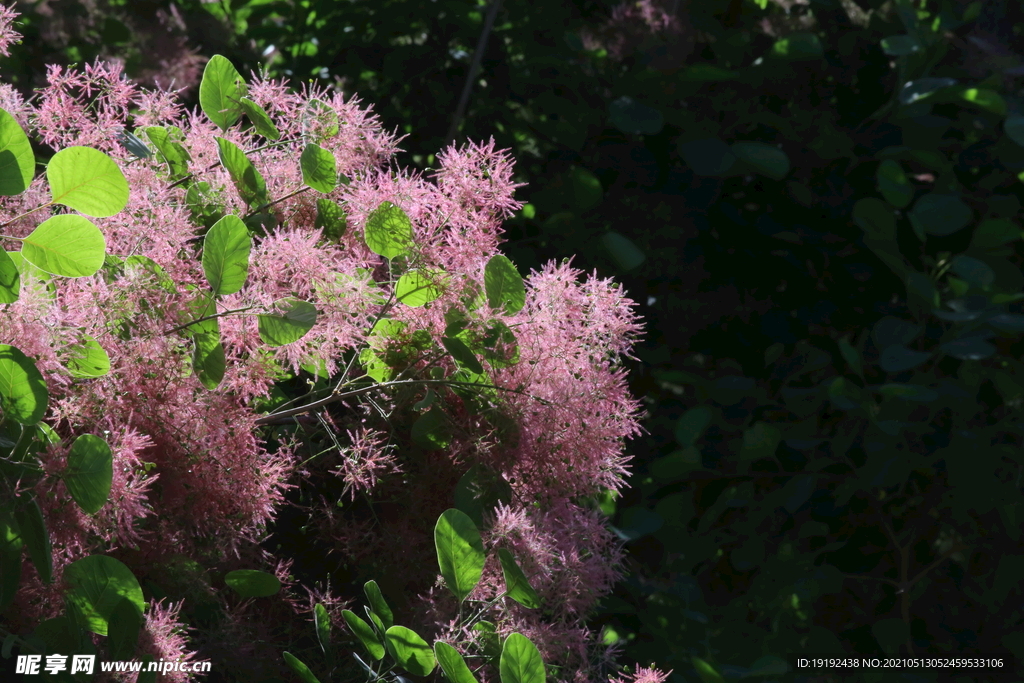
x,y
225,308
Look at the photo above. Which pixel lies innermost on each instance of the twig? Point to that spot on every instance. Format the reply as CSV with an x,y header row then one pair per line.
x,y
474,69
273,417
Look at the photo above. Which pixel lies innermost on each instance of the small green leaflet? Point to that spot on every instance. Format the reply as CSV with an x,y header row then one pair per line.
x,y
123,629
322,623
88,359
410,650
452,663
419,287
10,279
176,156
331,218
220,91
98,583
460,552
297,318
319,168
462,353
516,583
300,669
17,162
430,431
226,255
520,661
88,181
504,285
364,632
377,603
66,244
23,392
388,231
29,518
208,358
89,472
260,120
251,186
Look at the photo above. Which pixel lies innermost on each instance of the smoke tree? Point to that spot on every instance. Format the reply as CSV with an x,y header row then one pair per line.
x,y
210,317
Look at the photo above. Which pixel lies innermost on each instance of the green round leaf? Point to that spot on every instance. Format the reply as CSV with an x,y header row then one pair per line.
x,y
388,231
710,157
32,528
17,162
319,168
260,120
10,279
893,184
252,583
226,255
504,285
705,73
23,393
460,552
767,160
98,583
520,661
626,255
940,214
635,118
452,663
418,287
88,181
298,318
364,632
88,359
516,584
90,472
66,244
410,651
220,92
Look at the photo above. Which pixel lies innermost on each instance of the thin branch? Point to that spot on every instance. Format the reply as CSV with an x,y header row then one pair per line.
x,y
209,317
474,70
273,417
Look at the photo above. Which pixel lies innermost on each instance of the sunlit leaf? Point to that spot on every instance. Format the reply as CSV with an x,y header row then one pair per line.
x,y
460,552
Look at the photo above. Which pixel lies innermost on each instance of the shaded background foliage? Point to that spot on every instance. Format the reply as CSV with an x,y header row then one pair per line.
x,y
828,264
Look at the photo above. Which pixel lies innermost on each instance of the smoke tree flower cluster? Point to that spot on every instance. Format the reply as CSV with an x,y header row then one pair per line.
x,y
274,315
